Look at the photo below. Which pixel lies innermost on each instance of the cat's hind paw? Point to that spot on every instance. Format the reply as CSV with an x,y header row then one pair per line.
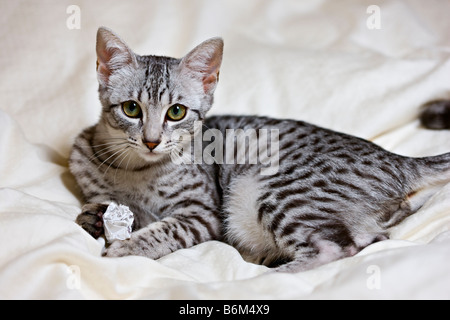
x,y
91,218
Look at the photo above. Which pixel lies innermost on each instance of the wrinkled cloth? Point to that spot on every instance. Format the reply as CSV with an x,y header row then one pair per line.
x,y
334,63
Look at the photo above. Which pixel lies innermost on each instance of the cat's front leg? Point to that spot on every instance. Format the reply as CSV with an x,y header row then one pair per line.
x,y
168,235
91,218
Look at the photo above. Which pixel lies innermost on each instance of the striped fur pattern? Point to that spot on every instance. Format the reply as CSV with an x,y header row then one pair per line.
x,y
332,195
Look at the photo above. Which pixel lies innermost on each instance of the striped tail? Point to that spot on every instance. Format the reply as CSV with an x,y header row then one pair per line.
x,y
433,174
437,168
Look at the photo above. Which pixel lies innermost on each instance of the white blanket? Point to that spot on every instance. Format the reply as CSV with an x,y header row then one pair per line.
x,y
340,64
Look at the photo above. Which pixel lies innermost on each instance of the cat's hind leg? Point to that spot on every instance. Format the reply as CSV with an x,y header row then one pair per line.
x,y
316,252
319,250
310,257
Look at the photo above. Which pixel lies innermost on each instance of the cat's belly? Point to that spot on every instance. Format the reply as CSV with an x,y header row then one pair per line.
x,y
243,230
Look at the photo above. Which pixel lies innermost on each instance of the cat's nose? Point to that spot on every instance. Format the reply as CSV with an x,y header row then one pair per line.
x,y
152,144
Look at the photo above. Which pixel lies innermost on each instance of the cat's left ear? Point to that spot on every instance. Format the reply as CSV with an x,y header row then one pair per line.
x,y
204,63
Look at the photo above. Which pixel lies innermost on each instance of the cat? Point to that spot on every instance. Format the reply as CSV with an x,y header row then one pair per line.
x,y
328,196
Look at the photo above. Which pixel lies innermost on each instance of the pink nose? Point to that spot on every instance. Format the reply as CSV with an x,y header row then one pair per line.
x,y
152,144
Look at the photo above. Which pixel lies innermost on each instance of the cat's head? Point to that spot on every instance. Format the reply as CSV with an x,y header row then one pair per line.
x,y
146,99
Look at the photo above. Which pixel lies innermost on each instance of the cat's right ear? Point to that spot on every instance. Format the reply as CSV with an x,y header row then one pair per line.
x,y
112,54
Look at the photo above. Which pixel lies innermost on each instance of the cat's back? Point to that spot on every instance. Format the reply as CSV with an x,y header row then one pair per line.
x,y
316,165
301,146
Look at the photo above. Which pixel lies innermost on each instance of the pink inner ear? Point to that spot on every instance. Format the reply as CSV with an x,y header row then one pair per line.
x,y
103,56
104,71
210,81
104,66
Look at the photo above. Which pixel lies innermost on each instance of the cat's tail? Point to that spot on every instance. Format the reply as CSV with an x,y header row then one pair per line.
x,y
436,168
433,170
432,174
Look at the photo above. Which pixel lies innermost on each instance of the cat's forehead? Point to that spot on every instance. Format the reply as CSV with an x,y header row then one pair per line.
x,y
155,73
156,66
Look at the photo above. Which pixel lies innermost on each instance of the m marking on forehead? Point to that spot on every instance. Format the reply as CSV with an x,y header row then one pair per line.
x,y
157,81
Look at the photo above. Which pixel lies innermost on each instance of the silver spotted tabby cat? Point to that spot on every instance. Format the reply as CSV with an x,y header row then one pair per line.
x,y
326,196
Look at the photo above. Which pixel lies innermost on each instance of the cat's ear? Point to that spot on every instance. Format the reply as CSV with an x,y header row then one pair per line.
x,y
204,63
112,54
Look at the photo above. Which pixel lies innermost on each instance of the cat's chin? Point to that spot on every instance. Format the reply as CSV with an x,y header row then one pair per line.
x,y
152,156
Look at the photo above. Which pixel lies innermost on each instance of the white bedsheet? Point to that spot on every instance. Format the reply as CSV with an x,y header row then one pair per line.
x,y
312,60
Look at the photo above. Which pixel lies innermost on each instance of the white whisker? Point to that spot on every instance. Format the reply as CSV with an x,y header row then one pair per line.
x,y
102,144
126,153
121,150
176,148
106,150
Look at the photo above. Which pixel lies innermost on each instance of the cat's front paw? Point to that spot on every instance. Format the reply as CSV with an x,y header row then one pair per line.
x,y
137,245
119,248
91,218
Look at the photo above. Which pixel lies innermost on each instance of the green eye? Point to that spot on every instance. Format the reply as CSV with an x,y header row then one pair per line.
x,y
131,109
176,112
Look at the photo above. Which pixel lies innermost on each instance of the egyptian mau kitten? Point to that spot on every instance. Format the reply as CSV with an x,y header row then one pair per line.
x,y
328,196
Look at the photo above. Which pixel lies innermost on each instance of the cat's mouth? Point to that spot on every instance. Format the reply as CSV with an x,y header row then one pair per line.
x,y
152,155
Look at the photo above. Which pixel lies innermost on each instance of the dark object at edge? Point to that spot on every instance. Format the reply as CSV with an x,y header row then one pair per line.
x,y
436,115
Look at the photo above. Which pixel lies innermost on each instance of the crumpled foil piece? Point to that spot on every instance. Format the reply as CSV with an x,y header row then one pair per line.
x,y
117,222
